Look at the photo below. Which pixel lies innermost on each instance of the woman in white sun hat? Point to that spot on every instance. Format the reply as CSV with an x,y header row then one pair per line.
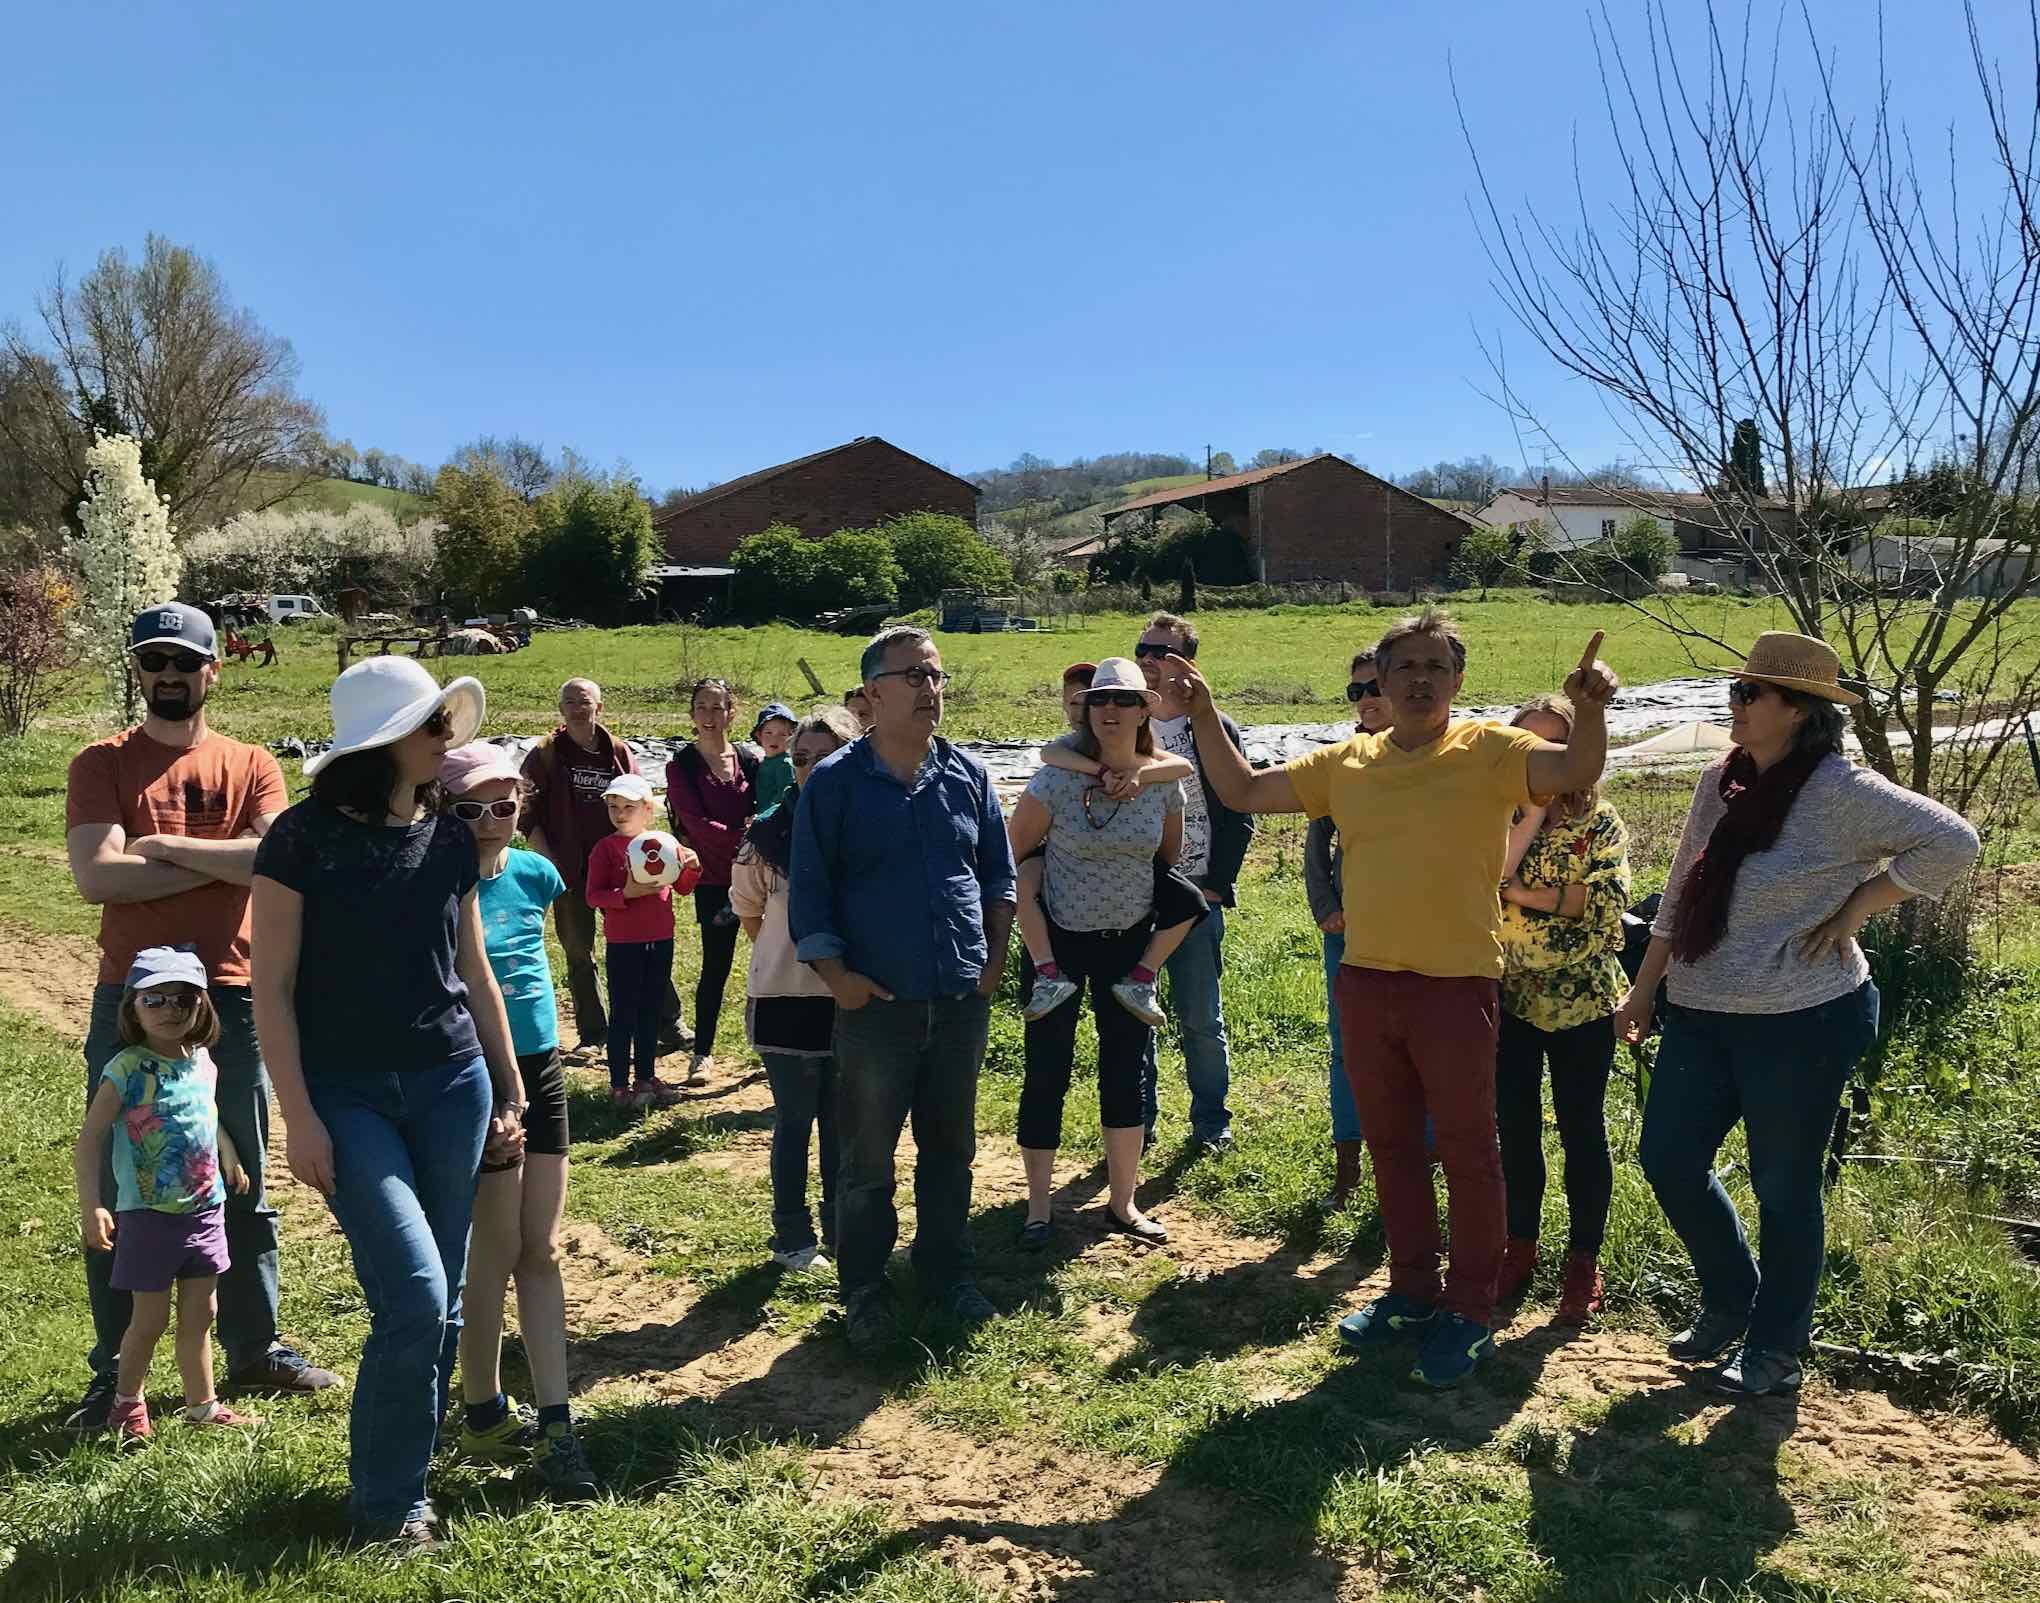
x,y
385,1034
1789,849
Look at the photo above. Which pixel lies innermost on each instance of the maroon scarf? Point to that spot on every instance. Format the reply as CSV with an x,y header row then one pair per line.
x,y
1756,807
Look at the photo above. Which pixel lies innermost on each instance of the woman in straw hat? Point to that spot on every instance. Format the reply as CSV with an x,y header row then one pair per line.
x,y
385,1034
1788,850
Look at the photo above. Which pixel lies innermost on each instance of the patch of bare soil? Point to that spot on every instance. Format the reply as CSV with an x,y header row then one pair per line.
x,y
48,977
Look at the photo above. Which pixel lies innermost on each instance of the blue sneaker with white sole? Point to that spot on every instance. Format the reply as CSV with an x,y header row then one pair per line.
x,y
1386,1318
1454,1346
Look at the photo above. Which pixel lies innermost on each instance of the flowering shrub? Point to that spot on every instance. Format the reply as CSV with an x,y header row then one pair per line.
x,y
313,552
37,647
125,557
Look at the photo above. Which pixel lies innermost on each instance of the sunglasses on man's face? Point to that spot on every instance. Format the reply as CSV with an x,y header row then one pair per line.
x,y
164,661
473,810
154,1001
1359,689
1149,648
1113,698
1746,692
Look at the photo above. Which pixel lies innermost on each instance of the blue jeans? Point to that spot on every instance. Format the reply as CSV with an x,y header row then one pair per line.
x,y
247,1291
1345,1117
406,1149
1782,1076
895,1060
1194,973
803,1097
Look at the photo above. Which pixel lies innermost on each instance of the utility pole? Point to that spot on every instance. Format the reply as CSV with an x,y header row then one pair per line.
x,y
1207,462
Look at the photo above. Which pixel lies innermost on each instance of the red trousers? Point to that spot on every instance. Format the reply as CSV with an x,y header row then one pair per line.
x,y
1415,1045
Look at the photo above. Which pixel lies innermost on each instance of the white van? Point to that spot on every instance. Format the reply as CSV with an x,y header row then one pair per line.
x,y
289,609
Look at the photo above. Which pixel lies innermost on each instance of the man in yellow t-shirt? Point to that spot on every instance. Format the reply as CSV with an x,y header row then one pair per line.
x,y
1418,989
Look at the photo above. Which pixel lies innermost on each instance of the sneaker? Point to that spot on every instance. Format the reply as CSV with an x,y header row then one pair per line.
x,y
970,1307
1215,1146
1519,1268
129,1422
801,1259
403,1537
674,1038
589,1051
1387,1317
1047,996
1581,1299
281,1373
218,1413
1138,998
507,1441
870,1323
697,1069
563,1465
657,1093
1760,1372
1709,1336
90,1414
1451,1351
627,1098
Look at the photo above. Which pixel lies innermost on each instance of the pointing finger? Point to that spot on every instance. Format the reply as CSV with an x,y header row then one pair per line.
x,y
1593,650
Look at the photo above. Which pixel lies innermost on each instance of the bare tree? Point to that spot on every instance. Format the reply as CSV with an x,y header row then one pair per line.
x,y
155,349
1794,268
519,463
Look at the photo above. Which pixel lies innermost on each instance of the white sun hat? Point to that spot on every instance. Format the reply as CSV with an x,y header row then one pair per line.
x,y
379,701
1122,673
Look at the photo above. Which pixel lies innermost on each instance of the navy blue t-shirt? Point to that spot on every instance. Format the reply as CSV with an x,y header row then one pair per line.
x,y
377,989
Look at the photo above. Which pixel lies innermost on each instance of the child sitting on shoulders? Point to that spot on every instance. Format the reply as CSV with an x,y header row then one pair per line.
x,y
157,1099
1179,904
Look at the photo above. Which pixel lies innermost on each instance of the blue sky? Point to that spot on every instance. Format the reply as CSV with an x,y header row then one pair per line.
x,y
705,236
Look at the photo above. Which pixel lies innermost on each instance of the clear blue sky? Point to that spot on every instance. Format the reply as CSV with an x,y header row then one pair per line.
x,y
709,235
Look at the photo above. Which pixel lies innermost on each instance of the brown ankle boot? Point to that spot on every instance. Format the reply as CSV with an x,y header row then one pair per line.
x,y
1345,1175
1519,1267
1581,1299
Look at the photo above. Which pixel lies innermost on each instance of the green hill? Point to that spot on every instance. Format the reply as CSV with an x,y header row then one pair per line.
x,y
337,495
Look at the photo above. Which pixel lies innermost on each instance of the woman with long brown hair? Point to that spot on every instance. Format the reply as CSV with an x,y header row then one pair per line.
x,y
711,792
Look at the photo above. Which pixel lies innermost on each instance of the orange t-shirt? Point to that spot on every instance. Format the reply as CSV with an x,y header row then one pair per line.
x,y
215,790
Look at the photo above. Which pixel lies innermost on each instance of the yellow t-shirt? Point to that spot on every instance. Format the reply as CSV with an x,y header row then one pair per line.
x,y
1425,834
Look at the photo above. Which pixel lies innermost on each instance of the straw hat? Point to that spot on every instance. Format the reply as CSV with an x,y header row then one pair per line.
x,y
1122,673
380,701
1798,662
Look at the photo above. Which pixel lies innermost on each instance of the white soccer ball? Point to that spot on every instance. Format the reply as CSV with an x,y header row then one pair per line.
x,y
654,858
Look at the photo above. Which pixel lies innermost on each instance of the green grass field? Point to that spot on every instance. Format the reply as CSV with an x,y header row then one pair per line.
x,y
336,495
1176,1425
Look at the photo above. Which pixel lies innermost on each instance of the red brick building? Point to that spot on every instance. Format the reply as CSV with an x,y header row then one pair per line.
x,y
1322,519
849,486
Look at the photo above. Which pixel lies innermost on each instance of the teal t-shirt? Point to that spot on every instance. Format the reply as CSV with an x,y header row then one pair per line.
x,y
513,932
166,1142
775,774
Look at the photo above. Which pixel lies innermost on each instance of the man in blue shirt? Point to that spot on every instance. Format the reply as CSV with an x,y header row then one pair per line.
x,y
902,899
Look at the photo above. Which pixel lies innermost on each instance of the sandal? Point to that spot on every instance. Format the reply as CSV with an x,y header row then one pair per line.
x,y
1036,1234
1147,1230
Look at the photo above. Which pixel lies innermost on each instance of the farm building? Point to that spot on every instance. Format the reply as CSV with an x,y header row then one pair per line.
x,y
1321,519
850,486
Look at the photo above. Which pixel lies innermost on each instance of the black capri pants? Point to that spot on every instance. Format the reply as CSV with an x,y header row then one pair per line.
x,y
1095,960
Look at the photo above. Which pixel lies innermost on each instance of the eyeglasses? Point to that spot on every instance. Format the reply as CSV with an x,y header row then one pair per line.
x,y
161,661
801,759
1360,689
1746,692
155,1000
440,723
1113,698
506,807
1149,649
919,676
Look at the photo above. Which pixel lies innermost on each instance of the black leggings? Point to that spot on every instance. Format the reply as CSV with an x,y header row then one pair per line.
x,y
1580,1058
1095,960
719,926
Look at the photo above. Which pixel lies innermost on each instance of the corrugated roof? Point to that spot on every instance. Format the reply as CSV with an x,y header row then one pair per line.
x,y
730,487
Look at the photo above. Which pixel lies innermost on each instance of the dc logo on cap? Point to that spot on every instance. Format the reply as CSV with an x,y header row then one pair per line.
x,y
172,621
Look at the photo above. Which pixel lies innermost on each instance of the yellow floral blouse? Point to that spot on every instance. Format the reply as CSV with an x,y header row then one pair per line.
x,y
1560,972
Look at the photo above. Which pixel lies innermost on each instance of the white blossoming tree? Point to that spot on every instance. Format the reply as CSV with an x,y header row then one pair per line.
x,y
125,556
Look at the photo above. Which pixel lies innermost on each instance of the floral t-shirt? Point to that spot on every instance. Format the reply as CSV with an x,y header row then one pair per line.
x,y
1559,972
166,1142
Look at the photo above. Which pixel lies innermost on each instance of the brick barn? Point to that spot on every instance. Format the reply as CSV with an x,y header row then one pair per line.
x,y
1321,519
850,486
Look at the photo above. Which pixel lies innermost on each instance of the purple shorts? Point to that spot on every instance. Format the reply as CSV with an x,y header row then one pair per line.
x,y
152,1250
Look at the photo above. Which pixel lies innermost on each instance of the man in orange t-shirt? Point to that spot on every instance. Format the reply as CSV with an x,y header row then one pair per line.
x,y
161,825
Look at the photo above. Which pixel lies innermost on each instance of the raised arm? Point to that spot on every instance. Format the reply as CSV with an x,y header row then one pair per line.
x,y
1224,766
1559,770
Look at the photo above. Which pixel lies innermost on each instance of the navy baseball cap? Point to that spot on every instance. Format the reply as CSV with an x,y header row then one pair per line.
x,y
173,624
772,710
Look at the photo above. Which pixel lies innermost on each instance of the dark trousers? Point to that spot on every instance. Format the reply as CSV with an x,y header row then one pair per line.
x,y
1094,960
1580,1060
247,1291
636,971
896,1061
719,926
576,924
1416,1045
803,1097
1781,1075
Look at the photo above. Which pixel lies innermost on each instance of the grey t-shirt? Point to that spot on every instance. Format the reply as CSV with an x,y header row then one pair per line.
x,y
1175,735
1099,872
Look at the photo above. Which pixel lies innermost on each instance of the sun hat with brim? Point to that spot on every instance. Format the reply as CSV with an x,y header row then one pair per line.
x,y
1121,673
165,965
477,763
380,701
1797,662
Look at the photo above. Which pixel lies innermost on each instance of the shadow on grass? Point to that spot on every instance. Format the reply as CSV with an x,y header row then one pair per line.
x,y
723,1315
669,1139
1193,1317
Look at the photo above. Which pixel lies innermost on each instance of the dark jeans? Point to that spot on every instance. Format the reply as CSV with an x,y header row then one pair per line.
x,y
406,1149
1580,1059
247,1291
1094,960
576,924
803,1096
1781,1075
1194,970
636,970
719,926
896,1060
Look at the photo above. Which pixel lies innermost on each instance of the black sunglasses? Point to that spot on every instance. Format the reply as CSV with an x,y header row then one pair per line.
x,y
1114,698
440,723
1746,691
159,661
801,759
506,807
1362,687
1149,649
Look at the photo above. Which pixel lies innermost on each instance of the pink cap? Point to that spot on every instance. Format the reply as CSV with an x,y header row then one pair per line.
x,y
476,763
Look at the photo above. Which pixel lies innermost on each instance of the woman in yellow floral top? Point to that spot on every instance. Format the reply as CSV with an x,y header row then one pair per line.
x,y
1562,980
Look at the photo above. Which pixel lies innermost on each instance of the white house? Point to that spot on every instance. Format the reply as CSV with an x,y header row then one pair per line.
x,y
1574,518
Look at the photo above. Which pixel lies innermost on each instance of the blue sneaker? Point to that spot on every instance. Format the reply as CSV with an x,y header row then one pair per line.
x,y
1386,1317
1456,1344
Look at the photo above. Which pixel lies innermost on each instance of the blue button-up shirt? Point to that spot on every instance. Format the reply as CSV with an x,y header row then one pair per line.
x,y
894,878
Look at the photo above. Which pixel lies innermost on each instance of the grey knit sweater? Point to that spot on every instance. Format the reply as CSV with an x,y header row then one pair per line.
x,y
1845,825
